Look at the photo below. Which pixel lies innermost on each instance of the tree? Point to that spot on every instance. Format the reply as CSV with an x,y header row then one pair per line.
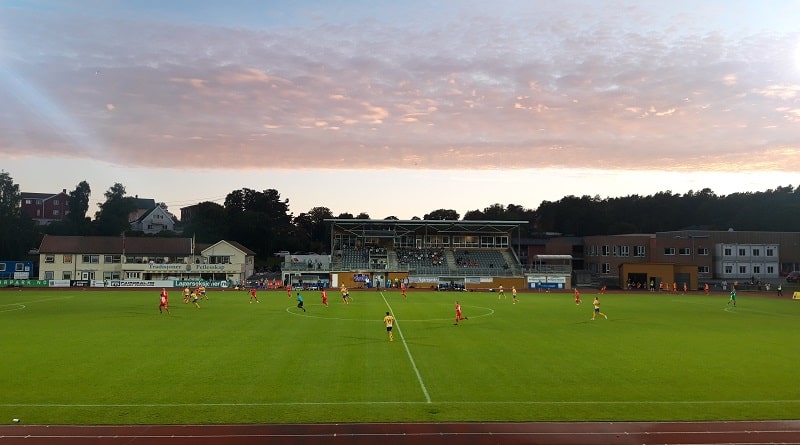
x,y
113,218
18,233
314,229
261,221
78,202
442,215
9,196
209,223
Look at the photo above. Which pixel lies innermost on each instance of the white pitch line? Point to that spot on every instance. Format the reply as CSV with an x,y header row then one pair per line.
x,y
408,351
393,402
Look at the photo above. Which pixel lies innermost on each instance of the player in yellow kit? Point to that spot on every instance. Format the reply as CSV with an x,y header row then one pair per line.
x,y
388,320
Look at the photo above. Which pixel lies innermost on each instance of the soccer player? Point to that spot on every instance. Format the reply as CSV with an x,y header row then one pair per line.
x,y
164,302
577,296
288,291
501,293
388,320
705,288
324,297
459,315
403,289
685,288
603,289
186,294
253,295
300,302
195,297
345,295
597,309
514,294
201,291
733,297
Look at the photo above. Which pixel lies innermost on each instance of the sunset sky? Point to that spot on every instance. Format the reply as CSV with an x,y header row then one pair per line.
x,y
400,107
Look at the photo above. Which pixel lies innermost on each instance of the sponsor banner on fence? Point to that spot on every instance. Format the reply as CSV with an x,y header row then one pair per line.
x,y
24,283
431,280
547,281
204,283
132,283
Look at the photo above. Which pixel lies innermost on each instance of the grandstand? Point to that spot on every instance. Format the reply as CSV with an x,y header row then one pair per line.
x,y
425,254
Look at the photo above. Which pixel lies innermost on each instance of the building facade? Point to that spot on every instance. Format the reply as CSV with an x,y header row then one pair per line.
x,y
45,208
107,259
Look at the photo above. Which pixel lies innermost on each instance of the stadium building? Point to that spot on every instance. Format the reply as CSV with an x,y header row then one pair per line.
x,y
423,254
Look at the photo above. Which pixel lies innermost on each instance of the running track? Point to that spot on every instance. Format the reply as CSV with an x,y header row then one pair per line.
x,y
557,433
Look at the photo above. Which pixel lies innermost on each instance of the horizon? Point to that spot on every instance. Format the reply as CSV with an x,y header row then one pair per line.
x,y
400,109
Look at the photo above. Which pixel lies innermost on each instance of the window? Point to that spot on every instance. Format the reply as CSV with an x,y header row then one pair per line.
x,y
770,270
55,202
669,251
703,269
133,275
604,250
109,259
770,251
56,212
742,252
49,259
756,252
110,276
19,267
756,269
728,269
702,251
622,250
2,267
639,251
91,259
219,259
742,269
66,275
67,259
684,251
606,268
48,275
727,251
27,202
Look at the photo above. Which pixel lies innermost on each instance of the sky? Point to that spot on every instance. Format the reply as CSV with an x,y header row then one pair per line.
x,y
399,108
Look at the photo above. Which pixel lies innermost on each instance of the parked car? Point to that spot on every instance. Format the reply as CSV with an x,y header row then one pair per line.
x,y
793,277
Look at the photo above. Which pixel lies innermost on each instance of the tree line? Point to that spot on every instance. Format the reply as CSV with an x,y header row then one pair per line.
x,y
261,220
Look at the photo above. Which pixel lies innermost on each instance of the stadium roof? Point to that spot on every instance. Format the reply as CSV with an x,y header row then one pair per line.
x,y
390,227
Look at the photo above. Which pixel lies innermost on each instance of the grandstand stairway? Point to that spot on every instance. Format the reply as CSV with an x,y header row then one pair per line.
x,y
391,260
513,265
451,261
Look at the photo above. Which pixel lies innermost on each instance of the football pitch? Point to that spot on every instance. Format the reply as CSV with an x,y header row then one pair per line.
x,y
109,357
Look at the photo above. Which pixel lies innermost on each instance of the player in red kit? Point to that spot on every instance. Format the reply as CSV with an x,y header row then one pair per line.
x,y
459,315
164,302
403,289
253,295
577,296
324,297
289,290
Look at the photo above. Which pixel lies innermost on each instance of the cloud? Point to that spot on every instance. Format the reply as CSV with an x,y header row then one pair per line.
x,y
482,92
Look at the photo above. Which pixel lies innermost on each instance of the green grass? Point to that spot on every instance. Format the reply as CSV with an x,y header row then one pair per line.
x,y
109,357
